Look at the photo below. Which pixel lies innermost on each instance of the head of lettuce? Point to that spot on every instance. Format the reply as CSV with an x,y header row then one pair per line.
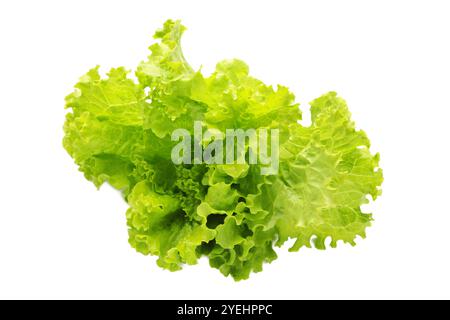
x,y
119,131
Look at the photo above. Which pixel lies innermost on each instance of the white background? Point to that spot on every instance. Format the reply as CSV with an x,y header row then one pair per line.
x,y
60,238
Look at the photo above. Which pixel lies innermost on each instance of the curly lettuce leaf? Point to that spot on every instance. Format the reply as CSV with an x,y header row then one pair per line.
x,y
118,131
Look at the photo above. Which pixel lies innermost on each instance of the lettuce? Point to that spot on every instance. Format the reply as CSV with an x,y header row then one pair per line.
x,y
119,131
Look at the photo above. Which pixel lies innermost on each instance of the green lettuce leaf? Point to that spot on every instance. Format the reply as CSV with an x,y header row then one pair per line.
x,y
118,131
